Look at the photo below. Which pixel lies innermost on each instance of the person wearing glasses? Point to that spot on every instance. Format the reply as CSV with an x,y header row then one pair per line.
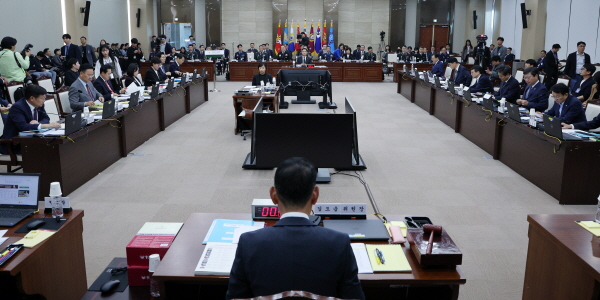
x,y
536,94
82,92
566,107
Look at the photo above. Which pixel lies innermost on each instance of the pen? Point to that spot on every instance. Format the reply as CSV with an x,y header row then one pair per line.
x,y
377,257
380,255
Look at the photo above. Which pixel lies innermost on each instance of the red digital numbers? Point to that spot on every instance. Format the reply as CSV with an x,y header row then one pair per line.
x,y
272,211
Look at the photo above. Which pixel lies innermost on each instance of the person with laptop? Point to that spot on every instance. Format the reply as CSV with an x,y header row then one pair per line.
x,y
105,86
509,88
460,75
438,66
566,107
536,94
82,92
26,114
307,257
587,125
482,82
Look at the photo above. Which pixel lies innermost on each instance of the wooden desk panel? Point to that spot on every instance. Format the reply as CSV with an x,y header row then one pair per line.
x,y
336,69
478,126
173,106
134,135
424,96
185,67
197,94
445,108
54,269
349,72
242,71
408,86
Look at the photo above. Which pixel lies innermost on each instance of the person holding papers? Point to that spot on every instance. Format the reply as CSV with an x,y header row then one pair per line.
x,y
132,76
26,114
536,94
262,75
175,68
82,92
104,85
163,72
586,125
566,107
305,256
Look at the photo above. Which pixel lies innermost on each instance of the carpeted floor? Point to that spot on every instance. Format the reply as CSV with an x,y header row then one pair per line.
x,y
416,166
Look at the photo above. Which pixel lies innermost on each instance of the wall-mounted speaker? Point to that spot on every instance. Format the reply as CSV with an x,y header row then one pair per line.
x,y
86,17
474,19
524,14
138,16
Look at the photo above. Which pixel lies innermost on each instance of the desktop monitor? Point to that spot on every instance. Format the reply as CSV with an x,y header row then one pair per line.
x,y
303,84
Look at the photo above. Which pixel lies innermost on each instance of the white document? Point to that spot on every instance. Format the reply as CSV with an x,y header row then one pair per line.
x,y
3,239
160,228
238,231
132,88
53,132
362,258
216,259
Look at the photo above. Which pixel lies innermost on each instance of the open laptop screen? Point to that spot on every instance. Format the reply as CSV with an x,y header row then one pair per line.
x,y
19,190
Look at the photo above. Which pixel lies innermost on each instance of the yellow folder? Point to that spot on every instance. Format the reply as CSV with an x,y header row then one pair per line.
x,y
394,258
35,237
591,226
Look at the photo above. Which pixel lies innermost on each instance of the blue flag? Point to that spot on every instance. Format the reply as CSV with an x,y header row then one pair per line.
x,y
331,43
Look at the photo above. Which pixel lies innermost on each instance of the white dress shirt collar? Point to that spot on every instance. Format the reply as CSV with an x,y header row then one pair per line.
x,y
294,214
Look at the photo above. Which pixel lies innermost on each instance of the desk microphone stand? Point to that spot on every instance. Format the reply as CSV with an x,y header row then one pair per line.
x,y
214,90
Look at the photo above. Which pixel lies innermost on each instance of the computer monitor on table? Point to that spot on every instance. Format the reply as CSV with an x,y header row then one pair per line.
x,y
304,83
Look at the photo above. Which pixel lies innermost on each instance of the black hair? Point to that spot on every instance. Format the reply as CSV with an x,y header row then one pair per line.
x,y
134,41
110,54
40,53
56,50
239,45
504,70
500,39
84,68
179,56
369,48
295,180
66,36
436,55
477,68
532,70
71,62
262,64
531,62
155,60
560,88
579,43
34,90
45,49
556,46
509,48
8,42
190,36
591,68
543,51
132,68
496,58
105,68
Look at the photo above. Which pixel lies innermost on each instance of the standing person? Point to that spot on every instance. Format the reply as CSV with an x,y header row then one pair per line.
x,y
106,58
575,62
102,42
87,51
308,257
467,51
500,50
134,53
191,41
153,42
70,50
13,64
165,47
551,65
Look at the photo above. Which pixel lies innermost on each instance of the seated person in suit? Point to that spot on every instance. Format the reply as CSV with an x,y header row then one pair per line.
x,y
348,55
431,53
583,86
163,72
509,88
595,91
295,245
482,83
175,68
104,85
26,114
262,75
509,55
284,54
201,54
496,63
82,92
132,76
438,66
586,125
304,59
404,55
357,53
566,107
326,54
528,64
4,106
72,71
152,77
370,56
460,75
541,60
57,61
240,55
190,54
536,94
443,54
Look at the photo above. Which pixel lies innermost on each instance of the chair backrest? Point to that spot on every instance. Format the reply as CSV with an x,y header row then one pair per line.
x,y
592,111
563,81
541,78
12,87
448,72
63,100
471,61
550,102
293,295
47,84
519,76
51,108
2,125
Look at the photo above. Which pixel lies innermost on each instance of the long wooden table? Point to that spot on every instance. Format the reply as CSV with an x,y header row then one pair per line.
x,y
187,66
178,265
347,72
565,170
54,268
563,259
76,159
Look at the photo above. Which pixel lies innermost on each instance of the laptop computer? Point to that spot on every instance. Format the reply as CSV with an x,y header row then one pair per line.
x,y
552,127
514,114
18,197
359,229
184,78
436,79
72,123
451,87
134,99
154,92
108,109
489,104
425,77
170,85
203,73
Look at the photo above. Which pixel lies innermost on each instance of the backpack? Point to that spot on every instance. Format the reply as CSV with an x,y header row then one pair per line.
x,y
19,94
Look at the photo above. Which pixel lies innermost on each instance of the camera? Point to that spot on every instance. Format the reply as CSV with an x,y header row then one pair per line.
x,y
482,38
26,49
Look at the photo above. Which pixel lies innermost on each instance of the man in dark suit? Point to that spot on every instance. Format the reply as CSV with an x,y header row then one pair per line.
x,y
575,62
82,92
535,95
583,86
103,84
88,56
358,53
551,65
308,257
200,53
587,125
431,53
566,107
438,66
70,50
303,59
304,40
443,55
270,53
175,67
284,54
252,49
540,62
460,75
509,55
496,63
370,56
482,83
165,47
26,114
152,77
240,55
509,88
224,48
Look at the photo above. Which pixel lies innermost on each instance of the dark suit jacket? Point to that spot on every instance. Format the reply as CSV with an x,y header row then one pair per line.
x,y
462,76
294,254
151,77
572,111
444,56
162,73
101,87
34,64
240,56
168,50
538,97
326,56
510,90
585,89
299,59
571,65
593,124
509,57
483,85
438,69
88,52
70,77
357,54
74,52
550,64
174,67
284,56
134,58
540,63
18,119
129,80
46,62
370,57
226,54
201,55
430,54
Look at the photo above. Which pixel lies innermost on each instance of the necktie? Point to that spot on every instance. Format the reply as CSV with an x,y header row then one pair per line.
x,y
303,59
89,93
108,85
35,114
501,87
67,50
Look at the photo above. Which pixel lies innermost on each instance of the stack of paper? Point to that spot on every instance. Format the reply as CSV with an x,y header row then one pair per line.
x,y
216,259
590,226
362,258
160,228
222,230
35,237
3,239
394,258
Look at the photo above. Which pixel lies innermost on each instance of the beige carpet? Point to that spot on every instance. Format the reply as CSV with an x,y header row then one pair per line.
x,y
416,166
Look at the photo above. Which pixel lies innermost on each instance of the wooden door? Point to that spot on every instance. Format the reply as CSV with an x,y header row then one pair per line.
x,y
433,35
425,36
441,36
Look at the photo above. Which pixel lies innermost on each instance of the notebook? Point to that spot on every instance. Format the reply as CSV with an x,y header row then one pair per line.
x,y
134,99
394,259
552,127
72,123
514,114
359,229
108,109
18,197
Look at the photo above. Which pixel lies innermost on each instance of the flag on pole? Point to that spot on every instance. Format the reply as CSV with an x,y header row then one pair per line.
x,y
305,31
324,35
291,37
297,46
285,33
318,39
278,40
311,40
331,43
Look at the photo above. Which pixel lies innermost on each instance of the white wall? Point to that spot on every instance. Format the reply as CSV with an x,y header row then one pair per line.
x,y
200,20
511,25
410,33
37,22
108,21
460,18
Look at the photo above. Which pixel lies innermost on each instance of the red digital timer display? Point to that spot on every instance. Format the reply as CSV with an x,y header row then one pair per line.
x,y
268,212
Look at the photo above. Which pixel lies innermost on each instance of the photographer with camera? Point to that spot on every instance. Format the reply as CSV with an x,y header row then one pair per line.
x,y
12,64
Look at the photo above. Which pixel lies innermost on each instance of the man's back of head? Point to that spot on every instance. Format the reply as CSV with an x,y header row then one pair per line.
x,y
295,180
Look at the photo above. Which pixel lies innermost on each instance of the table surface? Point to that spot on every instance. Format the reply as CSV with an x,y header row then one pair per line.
x,y
180,261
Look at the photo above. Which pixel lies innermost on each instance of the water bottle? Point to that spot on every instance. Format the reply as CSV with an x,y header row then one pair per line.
x,y
598,211
153,262
293,63
86,112
57,204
